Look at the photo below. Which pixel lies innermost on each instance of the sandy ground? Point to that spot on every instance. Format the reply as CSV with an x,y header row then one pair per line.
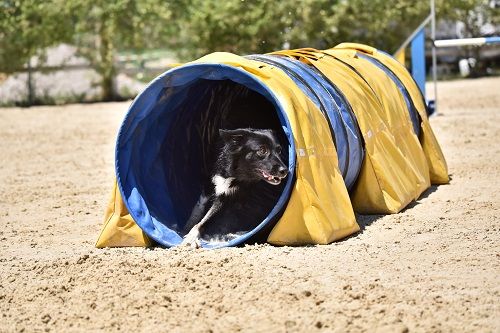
x,y
432,268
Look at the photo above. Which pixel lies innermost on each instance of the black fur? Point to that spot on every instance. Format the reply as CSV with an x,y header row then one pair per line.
x,y
248,160
248,154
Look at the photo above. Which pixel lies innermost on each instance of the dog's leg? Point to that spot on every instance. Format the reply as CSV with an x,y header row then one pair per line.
x,y
192,239
197,212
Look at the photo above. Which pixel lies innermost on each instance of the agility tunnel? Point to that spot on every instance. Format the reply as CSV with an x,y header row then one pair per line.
x,y
352,119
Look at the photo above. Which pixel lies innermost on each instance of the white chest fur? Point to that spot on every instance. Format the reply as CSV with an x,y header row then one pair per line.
x,y
223,185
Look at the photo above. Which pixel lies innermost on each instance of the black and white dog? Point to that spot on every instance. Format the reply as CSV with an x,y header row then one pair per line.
x,y
246,157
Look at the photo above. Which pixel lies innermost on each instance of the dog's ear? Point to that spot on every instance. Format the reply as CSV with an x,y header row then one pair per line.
x,y
233,136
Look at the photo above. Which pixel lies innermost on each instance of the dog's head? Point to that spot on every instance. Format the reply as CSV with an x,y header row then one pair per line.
x,y
255,155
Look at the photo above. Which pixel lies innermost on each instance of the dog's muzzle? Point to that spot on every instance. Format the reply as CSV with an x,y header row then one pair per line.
x,y
274,179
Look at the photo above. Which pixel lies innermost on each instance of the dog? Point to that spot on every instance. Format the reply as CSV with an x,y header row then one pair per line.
x,y
246,157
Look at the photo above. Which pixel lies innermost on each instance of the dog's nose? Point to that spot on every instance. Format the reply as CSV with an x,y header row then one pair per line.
x,y
282,171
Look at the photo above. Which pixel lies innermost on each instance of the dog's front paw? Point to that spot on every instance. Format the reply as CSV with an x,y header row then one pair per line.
x,y
192,239
194,244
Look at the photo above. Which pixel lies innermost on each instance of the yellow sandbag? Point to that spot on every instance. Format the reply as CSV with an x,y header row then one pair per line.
x,y
119,228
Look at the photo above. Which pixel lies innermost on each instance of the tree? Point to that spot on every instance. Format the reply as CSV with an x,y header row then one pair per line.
x,y
192,28
473,16
251,26
102,27
379,23
26,28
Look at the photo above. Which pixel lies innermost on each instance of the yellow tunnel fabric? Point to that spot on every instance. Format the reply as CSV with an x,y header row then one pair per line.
x,y
319,210
393,150
397,167
438,167
389,177
400,56
119,228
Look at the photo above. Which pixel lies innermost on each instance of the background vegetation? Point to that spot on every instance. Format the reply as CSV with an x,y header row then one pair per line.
x,y
190,28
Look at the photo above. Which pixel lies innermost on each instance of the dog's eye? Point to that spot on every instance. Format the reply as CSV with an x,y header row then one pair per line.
x,y
262,151
278,150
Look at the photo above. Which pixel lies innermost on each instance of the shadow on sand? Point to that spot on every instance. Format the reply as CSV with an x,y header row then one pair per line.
x,y
366,220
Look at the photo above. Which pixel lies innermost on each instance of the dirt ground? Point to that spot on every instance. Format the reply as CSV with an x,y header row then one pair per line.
x,y
432,268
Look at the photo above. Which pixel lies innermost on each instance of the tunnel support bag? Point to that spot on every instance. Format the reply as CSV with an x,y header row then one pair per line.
x,y
119,227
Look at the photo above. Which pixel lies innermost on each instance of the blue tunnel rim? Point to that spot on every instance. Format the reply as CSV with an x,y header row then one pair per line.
x,y
283,119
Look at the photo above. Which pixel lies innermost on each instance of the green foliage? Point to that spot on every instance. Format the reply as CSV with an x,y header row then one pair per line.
x,y
259,26
250,26
192,28
473,14
379,23
102,27
196,27
26,28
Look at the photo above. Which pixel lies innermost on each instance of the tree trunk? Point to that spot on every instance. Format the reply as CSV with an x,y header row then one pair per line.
x,y
107,68
31,93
